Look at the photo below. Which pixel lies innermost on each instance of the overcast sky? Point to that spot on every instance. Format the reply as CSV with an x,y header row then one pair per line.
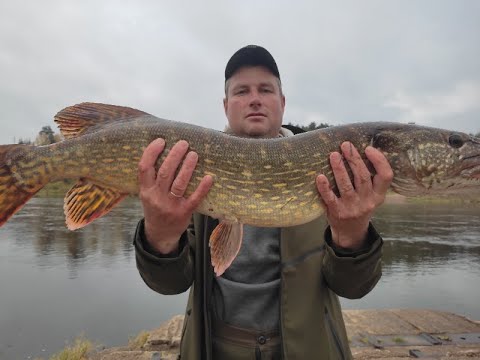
x,y
340,61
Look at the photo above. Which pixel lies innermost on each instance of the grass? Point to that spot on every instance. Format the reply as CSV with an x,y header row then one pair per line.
x,y
81,348
55,189
438,199
364,340
444,337
444,200
138,341
78,351
59,189
398,340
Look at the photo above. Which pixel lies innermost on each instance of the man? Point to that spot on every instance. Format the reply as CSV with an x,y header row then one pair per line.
x,y
278,299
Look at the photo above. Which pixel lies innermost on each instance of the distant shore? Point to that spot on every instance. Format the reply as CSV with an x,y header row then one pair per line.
x,y
60,188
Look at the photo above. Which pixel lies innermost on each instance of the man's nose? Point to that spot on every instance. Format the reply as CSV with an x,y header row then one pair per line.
x,y
255,98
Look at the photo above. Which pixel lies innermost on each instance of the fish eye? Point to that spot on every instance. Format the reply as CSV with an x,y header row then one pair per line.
x,y
455,141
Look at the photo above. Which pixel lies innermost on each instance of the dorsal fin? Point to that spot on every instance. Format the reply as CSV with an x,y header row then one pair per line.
x,y
77,119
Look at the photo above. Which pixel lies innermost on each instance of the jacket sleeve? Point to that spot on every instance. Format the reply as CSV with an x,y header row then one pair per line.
x,y
353,274
165,274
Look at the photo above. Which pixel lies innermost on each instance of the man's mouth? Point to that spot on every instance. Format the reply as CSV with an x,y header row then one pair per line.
x,y
255,115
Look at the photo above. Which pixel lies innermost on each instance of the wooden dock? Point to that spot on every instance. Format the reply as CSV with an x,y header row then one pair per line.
x,y
374,334
411,333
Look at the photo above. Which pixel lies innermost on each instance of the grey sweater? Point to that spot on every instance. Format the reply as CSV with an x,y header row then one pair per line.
x,y
247,294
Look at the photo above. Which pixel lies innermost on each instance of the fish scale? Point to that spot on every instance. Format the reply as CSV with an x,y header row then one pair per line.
x,y
261,182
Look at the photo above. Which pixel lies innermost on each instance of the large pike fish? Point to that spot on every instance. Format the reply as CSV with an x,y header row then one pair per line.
x,y
262,182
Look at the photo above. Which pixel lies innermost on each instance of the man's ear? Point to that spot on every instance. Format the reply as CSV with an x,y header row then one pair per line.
x,y
225,105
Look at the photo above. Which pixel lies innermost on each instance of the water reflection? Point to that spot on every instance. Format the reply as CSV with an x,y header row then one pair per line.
x,y
40,227
430,259
86,281
428,236
415,235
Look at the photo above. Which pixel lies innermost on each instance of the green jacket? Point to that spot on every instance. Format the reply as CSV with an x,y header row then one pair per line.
x,y
312,276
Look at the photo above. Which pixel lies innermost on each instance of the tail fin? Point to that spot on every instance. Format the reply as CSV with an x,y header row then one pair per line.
x,y
12,194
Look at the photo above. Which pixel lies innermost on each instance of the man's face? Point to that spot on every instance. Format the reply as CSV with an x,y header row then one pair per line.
x,y
254,103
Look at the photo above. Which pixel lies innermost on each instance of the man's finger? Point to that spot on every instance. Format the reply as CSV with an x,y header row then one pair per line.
x,y
180,183
167,170
200,192
328,197
384,176
361,175
146,166
344,184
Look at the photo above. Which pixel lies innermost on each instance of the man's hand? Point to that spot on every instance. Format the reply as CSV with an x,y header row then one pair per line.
x,y
167,213
350,213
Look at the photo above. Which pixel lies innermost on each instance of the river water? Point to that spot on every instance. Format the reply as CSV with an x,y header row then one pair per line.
x,y
56,285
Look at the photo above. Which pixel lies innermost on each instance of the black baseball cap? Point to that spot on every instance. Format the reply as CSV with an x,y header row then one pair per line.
x,y
251,55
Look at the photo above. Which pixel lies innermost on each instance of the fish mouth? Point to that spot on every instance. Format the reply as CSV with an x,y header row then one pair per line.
x,y
475,172
471,166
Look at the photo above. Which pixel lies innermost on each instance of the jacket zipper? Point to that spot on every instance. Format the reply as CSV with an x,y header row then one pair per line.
x,y
292,263
206,288
282,343
331,326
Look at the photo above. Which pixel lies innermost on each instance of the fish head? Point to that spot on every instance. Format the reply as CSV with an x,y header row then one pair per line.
x,y
429,161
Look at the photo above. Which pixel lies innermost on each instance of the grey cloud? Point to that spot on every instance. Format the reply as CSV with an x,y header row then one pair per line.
x,y
340,63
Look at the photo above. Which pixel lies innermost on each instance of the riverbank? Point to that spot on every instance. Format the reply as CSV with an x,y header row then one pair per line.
x,y
60,188
373,334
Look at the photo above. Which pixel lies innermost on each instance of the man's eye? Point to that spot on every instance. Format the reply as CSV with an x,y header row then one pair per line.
x,y
240,92
266,90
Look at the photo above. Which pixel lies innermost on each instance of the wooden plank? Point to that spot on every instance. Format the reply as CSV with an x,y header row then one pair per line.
x,y
406,321
403,324
376,322
436,322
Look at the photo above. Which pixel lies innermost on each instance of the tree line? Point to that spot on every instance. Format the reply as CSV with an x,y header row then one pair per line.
x,y
312,126
47,136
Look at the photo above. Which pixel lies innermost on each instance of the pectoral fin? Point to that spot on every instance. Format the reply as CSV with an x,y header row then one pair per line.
x,y
225,242
87,201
